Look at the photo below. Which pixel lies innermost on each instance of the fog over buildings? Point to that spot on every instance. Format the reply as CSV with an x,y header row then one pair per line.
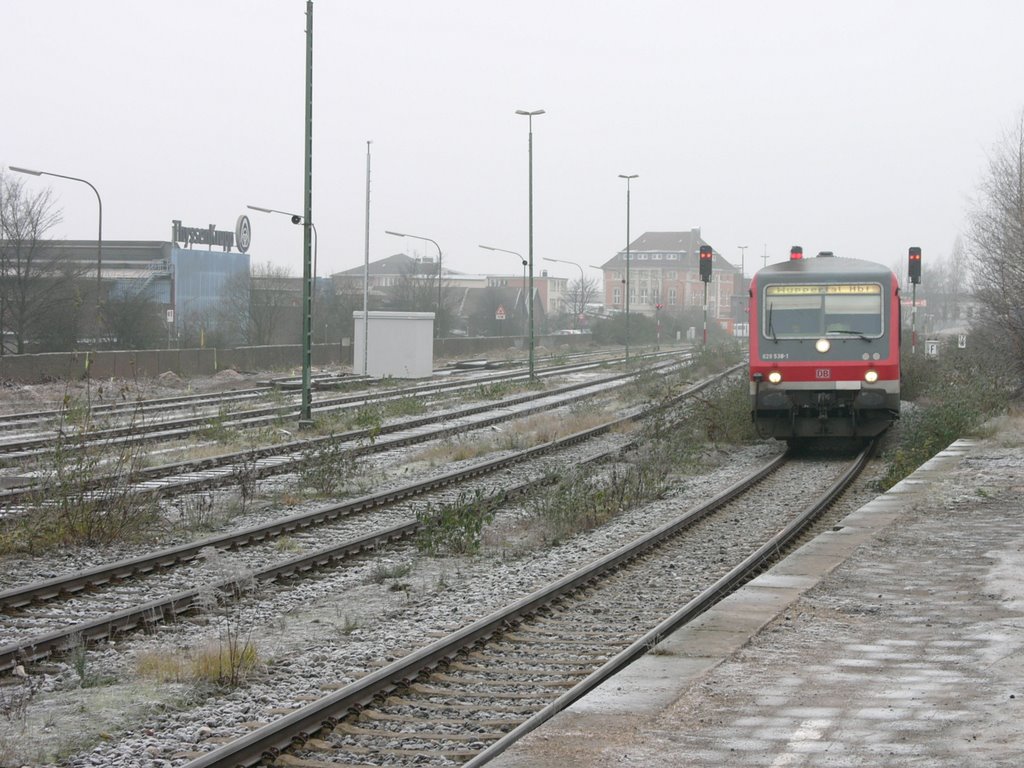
x,y
861,128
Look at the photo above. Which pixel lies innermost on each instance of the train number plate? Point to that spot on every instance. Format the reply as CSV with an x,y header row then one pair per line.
x,y
823,373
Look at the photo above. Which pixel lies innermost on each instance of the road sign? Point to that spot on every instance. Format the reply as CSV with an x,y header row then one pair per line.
x,y
500,312
961,341
931,348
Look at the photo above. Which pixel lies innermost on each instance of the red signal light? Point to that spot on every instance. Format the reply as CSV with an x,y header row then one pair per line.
x,y
706,260
914,266
796,252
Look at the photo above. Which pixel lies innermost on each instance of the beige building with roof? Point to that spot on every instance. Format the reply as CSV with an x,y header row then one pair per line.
x,y
663,270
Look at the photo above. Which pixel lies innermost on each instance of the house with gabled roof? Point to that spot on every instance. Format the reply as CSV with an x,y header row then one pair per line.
x,y
664,274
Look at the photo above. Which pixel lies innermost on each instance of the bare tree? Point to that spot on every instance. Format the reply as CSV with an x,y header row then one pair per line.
x,y
581,292
417,291
336,300
265,299
945,287
37,290
996,237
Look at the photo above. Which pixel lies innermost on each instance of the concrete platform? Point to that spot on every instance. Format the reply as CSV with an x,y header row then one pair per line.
x,y
872,645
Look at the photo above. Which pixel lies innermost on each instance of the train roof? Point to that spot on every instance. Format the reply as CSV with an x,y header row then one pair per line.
x,y
825,266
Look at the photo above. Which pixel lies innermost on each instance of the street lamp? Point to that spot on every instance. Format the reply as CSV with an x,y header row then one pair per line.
x,y
99,235
437,330
628,178
296,219
575,319
514,253
530,115
743,250
305,413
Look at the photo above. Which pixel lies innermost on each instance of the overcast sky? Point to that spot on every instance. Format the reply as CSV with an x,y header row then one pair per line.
x,y
859,127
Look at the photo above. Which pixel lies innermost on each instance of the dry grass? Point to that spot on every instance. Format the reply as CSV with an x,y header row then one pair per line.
x,y
216,663
1006,430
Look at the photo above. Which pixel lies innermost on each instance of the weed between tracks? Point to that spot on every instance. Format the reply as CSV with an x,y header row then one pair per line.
x,y
586,497
85,497
226,661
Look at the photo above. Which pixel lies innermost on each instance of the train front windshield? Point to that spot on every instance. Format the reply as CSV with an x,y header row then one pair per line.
x,y
811,311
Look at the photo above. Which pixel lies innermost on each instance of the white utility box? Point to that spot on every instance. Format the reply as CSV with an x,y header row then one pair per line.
x,y
398,344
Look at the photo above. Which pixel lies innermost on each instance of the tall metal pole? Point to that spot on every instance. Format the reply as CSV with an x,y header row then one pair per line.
x,y
628,178
526,314
913,318
306,411
705,315
529,298
627,270
529,292
366,268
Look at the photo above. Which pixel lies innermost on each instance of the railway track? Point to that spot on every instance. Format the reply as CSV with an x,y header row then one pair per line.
x,y
144,427
20,604
262,462
466,697
146,418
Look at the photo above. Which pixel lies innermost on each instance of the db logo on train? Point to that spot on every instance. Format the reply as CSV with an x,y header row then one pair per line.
x,y
823,373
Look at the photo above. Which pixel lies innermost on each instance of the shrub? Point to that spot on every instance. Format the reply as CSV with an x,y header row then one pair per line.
x,y
952,395
455,528
85,494
327,467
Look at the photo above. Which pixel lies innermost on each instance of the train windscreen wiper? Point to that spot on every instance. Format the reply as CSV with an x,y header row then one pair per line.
x,y
859,334
771,328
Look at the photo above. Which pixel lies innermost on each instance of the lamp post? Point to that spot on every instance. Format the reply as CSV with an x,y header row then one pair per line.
x,y
306,409
296,219
657,324
628,178
575,319
418,237
366,270
99,235
743,270
514,253
529,116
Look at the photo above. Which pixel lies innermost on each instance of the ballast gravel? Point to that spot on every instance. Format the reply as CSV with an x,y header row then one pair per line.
x,y
312,635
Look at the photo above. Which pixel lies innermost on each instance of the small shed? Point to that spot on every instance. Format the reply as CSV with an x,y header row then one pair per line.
x,y
398,344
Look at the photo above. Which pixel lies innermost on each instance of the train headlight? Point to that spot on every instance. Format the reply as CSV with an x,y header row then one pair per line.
x,y
871,377
774,377
822,345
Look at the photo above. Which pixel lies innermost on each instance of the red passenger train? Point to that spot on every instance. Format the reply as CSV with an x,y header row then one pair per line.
x,y
824,348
